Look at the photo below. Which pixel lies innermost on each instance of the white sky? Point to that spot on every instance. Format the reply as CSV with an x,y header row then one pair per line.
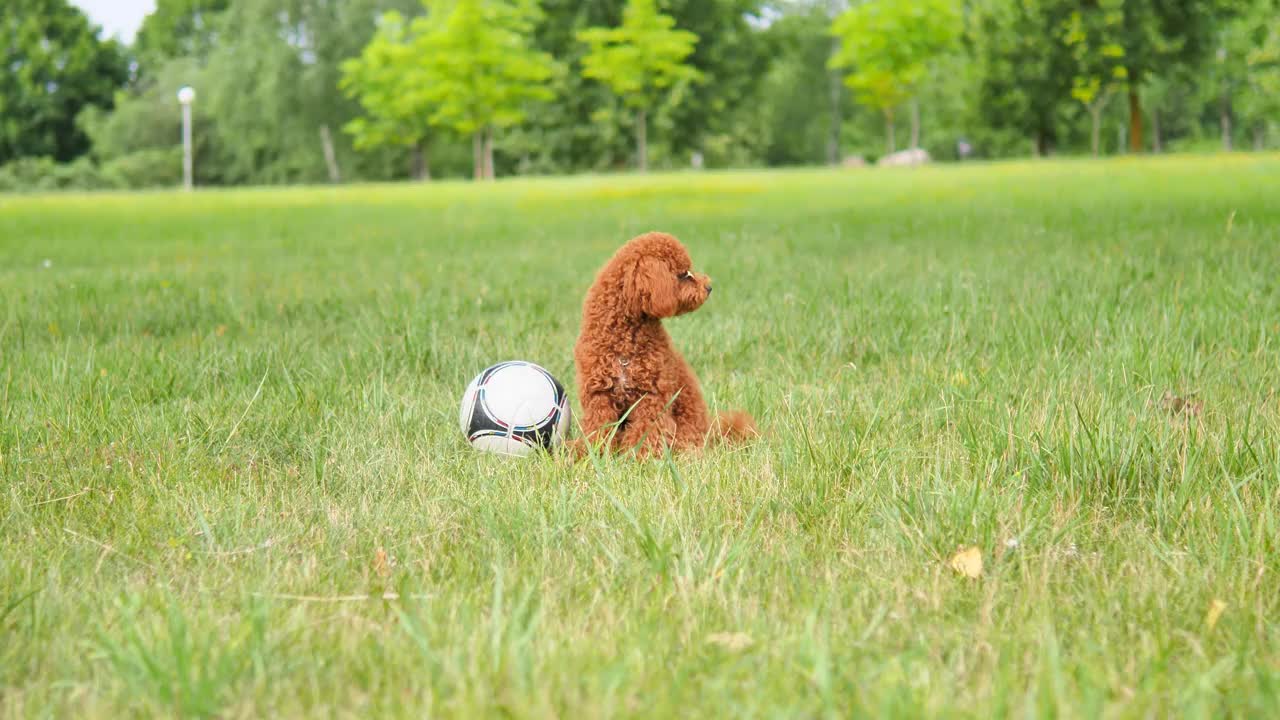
x,y
118,18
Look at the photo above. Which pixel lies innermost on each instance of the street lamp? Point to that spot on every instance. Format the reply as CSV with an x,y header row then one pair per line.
x,y
186,96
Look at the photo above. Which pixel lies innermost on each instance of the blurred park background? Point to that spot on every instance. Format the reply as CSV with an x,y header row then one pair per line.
x,y
316,91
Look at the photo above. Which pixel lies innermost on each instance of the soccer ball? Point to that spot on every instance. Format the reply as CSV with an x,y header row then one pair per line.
x,y
513,408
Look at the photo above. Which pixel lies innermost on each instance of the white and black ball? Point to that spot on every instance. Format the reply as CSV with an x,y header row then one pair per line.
x,y
514,408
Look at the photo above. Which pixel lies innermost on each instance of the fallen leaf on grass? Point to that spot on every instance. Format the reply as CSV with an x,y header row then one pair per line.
x,y
968,562
1181,406
731,641
1215,611
381,564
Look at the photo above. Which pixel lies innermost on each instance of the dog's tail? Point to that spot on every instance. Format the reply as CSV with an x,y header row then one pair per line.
x,y
733,426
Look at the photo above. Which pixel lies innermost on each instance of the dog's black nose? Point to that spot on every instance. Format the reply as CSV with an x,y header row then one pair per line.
x,y
708,289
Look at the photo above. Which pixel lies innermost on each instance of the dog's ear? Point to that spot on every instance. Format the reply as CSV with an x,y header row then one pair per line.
x,y
650,287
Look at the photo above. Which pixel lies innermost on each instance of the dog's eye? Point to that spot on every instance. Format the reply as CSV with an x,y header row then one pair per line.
x,y
686,275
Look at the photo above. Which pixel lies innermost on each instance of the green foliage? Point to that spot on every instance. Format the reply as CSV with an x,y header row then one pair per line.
x,y
795,114
273,85
1250,66
389,80
151,168
178,29
1157,35
52,66
264,93
148,116
313,90
479,69
480,65
804,112
143,169
571,132
886,47
42,174
731,58
1093,36
1025,73
641,58
640,61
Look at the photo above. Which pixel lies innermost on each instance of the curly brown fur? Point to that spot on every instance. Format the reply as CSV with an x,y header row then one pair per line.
x,y
634,386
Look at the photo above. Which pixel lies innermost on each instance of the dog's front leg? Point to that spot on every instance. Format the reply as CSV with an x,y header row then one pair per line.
x,y
648,427
689,411
599,417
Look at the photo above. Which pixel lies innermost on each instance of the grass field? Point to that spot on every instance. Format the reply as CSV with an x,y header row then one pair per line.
x,y
231,481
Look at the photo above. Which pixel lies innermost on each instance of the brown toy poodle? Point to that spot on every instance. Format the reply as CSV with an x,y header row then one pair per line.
x,y
634,386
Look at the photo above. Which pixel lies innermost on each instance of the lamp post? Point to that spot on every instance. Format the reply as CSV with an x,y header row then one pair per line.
x,y
186,96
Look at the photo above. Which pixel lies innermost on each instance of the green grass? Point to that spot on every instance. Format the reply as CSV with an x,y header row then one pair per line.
x,y
215,409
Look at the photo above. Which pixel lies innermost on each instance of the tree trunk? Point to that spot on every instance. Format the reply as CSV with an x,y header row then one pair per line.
x,y
1135,115
1095,136
1041,148
1224,120
915,124
835,94
888,130
642,140
488,154
421,168
1157,145
1260,137
330,158
477,155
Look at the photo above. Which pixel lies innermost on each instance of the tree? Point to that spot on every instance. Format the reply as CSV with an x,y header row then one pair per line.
x,y
639,60
711,113
1262,98
835,90
1025,69
1157,35
272,83
1093,38
178,29
146,121
886,47
801,109
480,69
389,80
54,67
589,127
1164,99
1245,70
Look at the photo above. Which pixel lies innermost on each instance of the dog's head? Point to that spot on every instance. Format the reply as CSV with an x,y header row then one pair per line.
x,y
657,278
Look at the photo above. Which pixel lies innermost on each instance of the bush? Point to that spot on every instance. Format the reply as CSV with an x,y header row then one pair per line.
x,y
81,174
143,169
44,175
25,174
159,167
